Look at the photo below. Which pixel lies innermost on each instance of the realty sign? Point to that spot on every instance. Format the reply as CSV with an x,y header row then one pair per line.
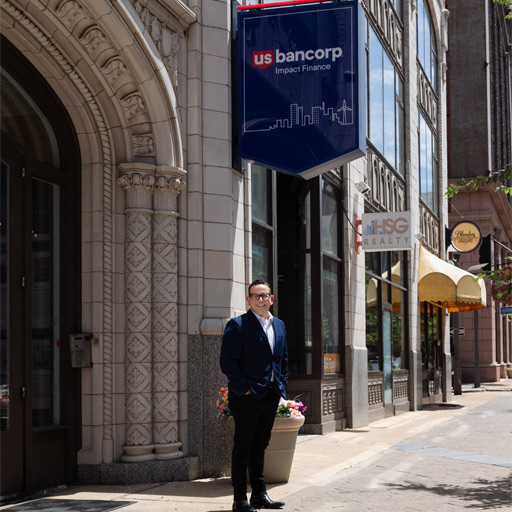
x,y
390,231
301,86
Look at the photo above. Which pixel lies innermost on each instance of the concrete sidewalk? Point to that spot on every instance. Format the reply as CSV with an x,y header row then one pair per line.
x,y
317,460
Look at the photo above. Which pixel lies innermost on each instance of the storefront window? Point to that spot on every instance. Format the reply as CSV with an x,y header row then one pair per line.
x,y
431,350
262,224
330,220
398,333
260,253
330,278
294,269
260,180
385,311
330,317
296,223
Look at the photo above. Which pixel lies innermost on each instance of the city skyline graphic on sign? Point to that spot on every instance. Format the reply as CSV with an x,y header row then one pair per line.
x,y
298,118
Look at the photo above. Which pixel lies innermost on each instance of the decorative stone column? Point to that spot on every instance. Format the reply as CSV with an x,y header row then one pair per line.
x,y
138,181
169,183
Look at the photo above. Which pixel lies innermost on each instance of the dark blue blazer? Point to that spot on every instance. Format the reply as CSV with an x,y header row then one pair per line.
x,y
246,358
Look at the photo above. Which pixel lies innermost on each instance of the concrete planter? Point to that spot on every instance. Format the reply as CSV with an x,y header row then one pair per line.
x,y
509,373
280,451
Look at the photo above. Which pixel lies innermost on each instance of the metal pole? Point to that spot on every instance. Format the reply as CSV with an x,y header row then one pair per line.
x,y
477,352
457,374
457,380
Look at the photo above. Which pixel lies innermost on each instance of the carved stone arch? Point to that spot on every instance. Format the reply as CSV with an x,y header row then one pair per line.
x,y
56,62
127,62
103,45
120,99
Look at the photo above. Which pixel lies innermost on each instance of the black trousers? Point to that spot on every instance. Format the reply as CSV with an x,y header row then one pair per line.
x,y
254,420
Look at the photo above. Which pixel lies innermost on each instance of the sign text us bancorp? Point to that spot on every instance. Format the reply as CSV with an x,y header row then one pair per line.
x,y
390,231
301,86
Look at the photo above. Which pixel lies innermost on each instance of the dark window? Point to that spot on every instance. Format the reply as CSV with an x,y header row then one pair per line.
x,y
296,245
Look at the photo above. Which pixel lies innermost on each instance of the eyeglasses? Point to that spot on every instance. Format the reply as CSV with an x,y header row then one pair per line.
x,y
262,296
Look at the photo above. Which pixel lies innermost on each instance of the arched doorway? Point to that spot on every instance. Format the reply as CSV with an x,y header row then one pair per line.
x,y
40,282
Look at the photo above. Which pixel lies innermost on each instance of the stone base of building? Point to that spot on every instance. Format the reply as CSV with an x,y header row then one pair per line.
x,y
124,473
323,428
388,411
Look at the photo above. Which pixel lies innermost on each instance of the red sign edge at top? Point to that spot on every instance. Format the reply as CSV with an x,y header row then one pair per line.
x,y
280,4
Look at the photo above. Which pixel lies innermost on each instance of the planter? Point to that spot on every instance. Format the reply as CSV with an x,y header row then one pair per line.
x,y
509,373
279,454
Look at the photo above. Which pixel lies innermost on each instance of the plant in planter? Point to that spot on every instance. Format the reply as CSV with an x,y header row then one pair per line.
x,y
280,451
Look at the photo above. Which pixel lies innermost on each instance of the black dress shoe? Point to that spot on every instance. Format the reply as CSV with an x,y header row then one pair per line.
x,y
242,506
263,501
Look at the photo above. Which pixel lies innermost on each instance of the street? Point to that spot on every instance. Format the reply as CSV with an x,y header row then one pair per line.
x,y
446,457
463,463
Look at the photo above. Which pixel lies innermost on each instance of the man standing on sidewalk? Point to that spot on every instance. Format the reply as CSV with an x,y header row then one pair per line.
x,y
254,357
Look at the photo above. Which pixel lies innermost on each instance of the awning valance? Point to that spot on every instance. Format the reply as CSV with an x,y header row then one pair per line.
x,y
444,283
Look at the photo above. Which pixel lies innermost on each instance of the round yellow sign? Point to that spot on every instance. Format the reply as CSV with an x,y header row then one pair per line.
x,y
465,236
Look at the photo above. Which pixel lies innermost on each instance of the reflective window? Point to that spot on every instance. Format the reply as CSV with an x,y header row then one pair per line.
x,y
427,159
331,272
330,220
426,44
262,224
397,4
23,120
261,240
331,316
385,104
260,178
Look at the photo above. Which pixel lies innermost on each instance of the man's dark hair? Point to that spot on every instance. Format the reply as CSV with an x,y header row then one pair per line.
x,y
256,283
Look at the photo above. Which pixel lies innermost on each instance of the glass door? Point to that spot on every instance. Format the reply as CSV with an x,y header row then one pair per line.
x,y
40,282
45,241
12,389
34,433
431,350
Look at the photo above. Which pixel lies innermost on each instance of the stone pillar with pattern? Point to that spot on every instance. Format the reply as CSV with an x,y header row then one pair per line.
x,y
169,182
138,181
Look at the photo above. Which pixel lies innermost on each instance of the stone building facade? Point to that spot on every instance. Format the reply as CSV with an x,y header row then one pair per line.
x,y
119,130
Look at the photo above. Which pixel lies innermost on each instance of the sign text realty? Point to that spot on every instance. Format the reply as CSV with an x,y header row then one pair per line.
x,y
388,231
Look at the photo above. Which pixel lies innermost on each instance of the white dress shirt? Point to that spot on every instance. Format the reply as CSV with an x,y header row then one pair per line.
x,y
268,328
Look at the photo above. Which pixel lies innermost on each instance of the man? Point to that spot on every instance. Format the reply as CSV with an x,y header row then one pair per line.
x,y
254,357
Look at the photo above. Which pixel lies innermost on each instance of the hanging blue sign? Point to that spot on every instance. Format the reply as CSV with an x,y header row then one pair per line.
x,y
302,99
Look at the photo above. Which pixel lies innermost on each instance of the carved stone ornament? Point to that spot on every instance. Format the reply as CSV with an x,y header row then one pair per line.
x,y
167,189
166,40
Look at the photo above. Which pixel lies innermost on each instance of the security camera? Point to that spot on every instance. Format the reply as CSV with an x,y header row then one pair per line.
x,y
363,187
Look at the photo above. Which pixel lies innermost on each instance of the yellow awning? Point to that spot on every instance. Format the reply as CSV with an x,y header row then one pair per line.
x,y
444,283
